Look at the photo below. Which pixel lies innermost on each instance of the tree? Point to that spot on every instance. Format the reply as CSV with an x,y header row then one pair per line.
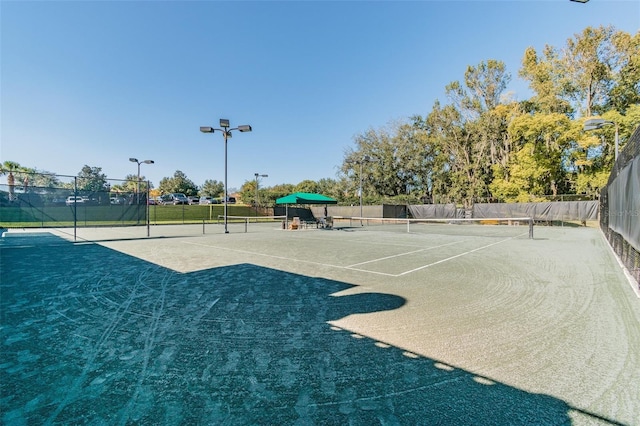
x,y
460,162
248,192
587,64
331,188
43,179
91,179
537,167
307,186
130,184
212,188
9,168
396,157
546,82
278,191
486,83
626,89
465,137
597,70
179,183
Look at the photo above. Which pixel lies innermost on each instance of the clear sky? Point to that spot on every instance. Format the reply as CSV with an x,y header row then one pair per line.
x,y
96,82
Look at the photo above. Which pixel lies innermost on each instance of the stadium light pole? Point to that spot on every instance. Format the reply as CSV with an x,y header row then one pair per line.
x,y
598,123
365,159
135,160
226,133
258,175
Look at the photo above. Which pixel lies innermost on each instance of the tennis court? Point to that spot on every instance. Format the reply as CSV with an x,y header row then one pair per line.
x,y
352,325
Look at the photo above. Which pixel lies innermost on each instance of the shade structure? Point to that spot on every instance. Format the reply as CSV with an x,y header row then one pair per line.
x,y
306,198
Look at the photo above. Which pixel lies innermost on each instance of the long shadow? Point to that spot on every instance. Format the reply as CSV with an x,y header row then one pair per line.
x,y
93,336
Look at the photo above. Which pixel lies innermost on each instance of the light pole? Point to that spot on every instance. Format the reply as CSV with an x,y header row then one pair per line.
x,y
365,159
598,123
135,160
258,175
226,133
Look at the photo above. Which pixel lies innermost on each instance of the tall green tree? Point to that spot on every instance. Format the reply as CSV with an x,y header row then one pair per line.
x,y
212,188
595,71
626,89
179,183
307,185
91,179
588,66
10,168
546,81
272,193
537,166
130,184
43,179
389,161
330,188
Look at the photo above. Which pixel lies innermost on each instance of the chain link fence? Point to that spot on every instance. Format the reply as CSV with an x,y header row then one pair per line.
x,y
620,207
46,200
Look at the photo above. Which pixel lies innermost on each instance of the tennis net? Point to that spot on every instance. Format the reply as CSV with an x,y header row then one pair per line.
x,y
484,227
253,221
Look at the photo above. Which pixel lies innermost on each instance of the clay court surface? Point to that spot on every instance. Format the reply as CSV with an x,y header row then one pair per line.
x,y
352,326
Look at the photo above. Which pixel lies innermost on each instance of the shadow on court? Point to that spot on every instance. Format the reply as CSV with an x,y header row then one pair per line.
x,y
93,336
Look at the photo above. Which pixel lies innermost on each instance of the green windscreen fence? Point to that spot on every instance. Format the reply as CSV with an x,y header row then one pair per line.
x,y
31,200
620,207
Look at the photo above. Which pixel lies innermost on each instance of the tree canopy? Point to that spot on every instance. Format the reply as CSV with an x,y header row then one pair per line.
x,y
179,183
478,144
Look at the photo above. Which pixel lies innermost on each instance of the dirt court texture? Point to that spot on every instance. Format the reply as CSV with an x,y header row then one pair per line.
x,y
351,326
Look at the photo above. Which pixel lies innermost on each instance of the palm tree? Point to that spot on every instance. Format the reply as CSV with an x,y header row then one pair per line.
x,y
8,168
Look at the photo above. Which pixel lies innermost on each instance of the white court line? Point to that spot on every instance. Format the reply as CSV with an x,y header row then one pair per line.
x,y
456,256
351,268
403,254
262,254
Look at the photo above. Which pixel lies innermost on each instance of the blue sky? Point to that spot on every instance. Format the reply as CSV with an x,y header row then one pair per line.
x,y
97,82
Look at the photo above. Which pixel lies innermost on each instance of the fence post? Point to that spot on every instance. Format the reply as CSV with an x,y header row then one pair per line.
x,y
75,207
147,211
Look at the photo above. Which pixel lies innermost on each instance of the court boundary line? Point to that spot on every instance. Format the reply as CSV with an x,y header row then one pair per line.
x,y
350,267
403,254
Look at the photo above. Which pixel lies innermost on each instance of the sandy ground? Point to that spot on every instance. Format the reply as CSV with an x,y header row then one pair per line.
x,y
316,327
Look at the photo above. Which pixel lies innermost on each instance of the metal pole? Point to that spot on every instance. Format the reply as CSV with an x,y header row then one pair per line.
x,y
617,141
226,194
147,212
138,185
138,195
75,208
361,192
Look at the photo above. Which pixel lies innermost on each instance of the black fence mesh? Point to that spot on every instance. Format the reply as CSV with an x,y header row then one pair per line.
x,y
628,254
33,200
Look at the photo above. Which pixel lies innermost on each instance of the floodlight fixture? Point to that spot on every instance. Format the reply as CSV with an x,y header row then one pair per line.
x,y
361,161
135,160
598,123
594,123
226,133
258,175
580,1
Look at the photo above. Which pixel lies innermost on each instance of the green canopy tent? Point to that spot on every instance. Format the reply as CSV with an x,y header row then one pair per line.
x,y
304,198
